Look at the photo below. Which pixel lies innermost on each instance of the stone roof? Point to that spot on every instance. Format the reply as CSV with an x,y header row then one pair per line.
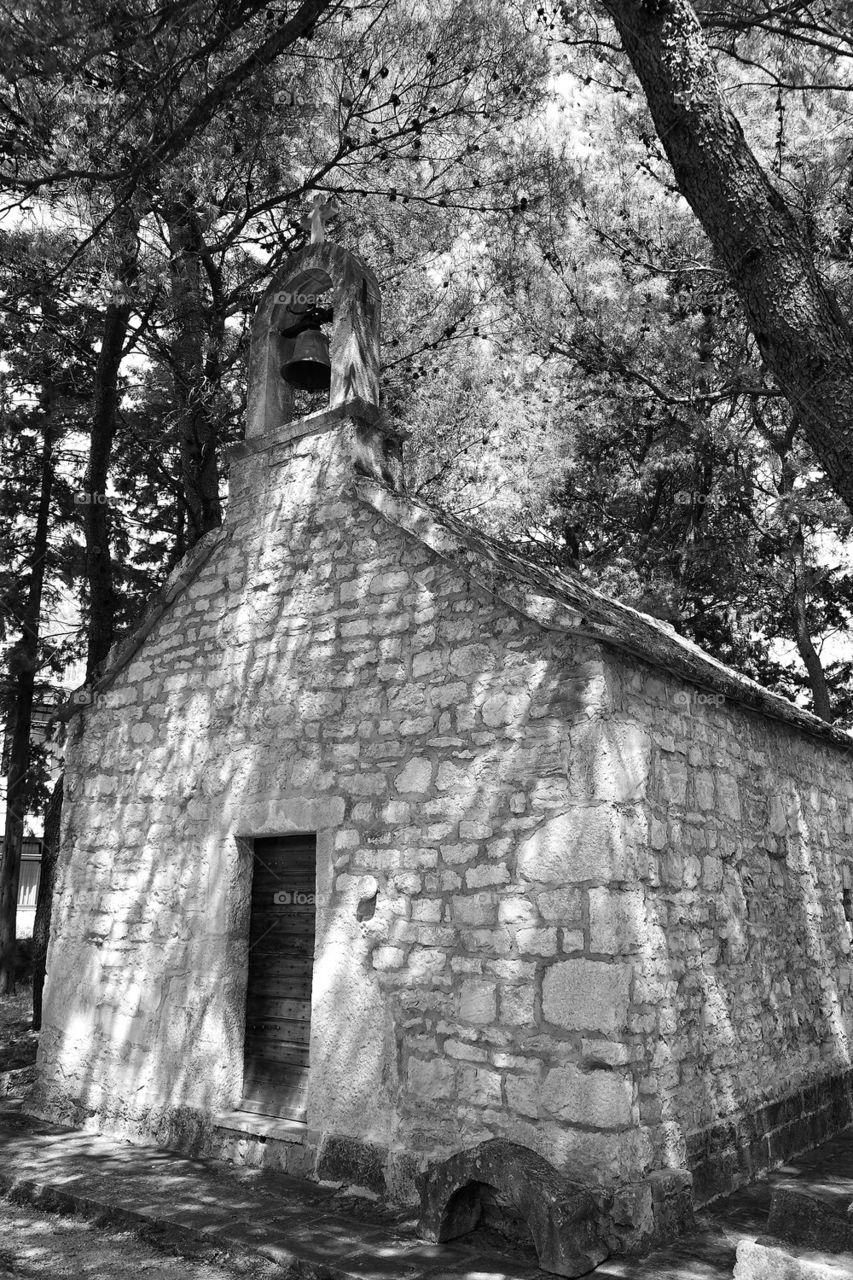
x,y
556,601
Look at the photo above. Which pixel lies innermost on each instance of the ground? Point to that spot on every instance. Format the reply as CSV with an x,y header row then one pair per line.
x,y
17,1041
35,1244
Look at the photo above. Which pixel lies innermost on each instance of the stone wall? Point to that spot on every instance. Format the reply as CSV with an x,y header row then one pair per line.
x,y
740,937
609,914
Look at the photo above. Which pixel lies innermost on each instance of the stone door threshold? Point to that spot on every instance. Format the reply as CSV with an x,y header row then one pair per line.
x,y
259,1126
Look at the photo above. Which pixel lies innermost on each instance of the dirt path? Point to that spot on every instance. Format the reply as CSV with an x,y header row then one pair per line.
x,y
34,1244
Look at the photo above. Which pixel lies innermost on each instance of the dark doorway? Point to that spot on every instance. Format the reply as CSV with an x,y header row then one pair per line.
x,y
281,959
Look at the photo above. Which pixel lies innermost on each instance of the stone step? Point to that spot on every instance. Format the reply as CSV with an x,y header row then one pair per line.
x,y
816,1217
260,1126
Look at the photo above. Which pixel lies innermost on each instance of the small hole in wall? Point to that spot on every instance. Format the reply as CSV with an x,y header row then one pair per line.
x,y
847,901
779,850
367,907
847,895
592,1063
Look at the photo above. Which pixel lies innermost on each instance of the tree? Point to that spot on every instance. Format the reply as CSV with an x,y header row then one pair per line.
x,y
24,662
173,187
630,367
37,384
44,903
804,338
95,116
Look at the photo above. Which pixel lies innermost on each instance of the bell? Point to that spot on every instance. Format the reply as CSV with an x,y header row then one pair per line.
x,y
308,367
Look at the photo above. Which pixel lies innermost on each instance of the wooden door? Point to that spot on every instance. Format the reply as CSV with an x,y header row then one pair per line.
x,y
281,959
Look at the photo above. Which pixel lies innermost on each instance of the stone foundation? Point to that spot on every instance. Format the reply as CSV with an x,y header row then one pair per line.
x,y
729,1154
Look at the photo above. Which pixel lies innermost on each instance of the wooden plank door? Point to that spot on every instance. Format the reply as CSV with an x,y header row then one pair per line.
x,y
281,960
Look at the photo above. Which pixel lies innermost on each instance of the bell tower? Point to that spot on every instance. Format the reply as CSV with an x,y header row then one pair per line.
x,y
316,330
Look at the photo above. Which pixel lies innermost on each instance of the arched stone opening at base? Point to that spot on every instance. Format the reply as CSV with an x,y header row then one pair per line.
x,y
501,1179
490,1213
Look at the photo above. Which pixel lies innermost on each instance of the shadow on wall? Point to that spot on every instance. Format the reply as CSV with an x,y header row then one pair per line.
x,y
526,854
751,926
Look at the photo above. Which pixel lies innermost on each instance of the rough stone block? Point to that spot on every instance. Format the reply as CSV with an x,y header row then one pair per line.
x,y
812,1221
352,1161
428,910
385,958
464,1052
536,941
658,834
468,660
505,709
394,582
756,1260
617,921
478,1001
522,1095
517,1006
426,663
610,1052
479,1086
431,1080
516,911
704,786
599,1099
586,995
600,1156
425,961
633,1209
595,843
609,761
474,908
673,778
562,1216
487,874
416,776
560,906
729,797
455,853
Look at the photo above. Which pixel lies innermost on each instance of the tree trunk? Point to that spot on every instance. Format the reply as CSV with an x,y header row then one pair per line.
x,y
44,903
99,569
24,661
193,386
803,338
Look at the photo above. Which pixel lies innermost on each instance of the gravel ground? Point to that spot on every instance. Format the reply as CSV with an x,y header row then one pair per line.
x,y
34,1244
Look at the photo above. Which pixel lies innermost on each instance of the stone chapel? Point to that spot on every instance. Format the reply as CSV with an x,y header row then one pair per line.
x,y
387,853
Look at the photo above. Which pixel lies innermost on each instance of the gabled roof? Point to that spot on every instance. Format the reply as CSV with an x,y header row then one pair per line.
x,y
564,602
555,601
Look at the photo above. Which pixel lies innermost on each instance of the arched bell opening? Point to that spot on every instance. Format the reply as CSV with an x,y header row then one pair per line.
x,y
315,340
303,322
487,1216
